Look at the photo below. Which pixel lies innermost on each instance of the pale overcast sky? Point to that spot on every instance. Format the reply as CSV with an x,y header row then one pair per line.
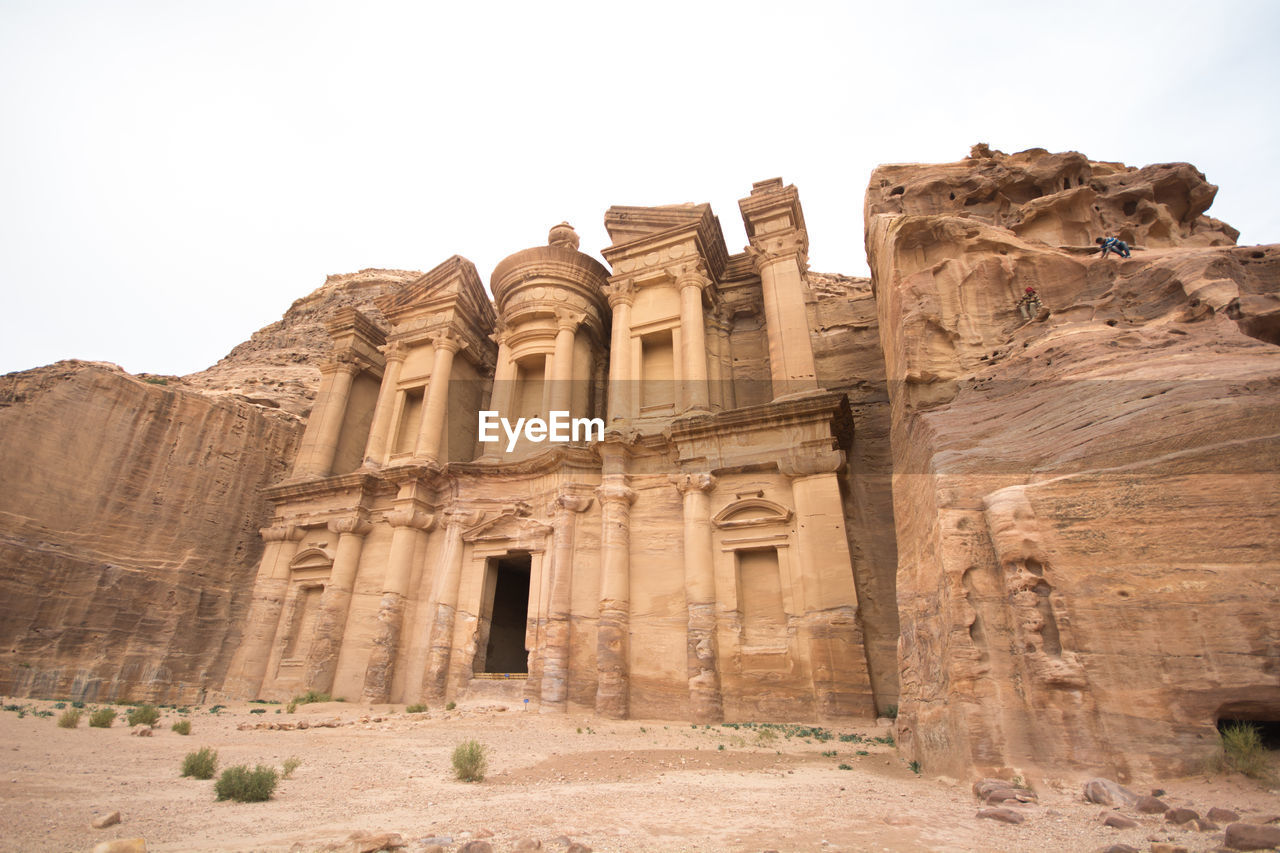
x,y
175,174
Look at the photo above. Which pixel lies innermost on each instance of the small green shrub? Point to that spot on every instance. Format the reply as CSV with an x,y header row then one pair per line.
x,y
891,712
70,719
844,767
243,785
201,764
293,707
311,696
77,704
1243,750
416,709
182,727
59,705
216,708
451,706
470,761
290,764
143,715
101,718
257,710
915,767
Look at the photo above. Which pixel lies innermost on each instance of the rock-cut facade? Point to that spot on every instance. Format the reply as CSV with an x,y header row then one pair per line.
x,y
689,558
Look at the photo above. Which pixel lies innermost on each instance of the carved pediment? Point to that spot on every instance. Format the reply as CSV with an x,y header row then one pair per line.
x,y
512,525
752,512
311,558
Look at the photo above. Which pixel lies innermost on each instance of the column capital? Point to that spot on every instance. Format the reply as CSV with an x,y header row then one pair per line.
x,y
350,524
569,502
613,493
413,517
282,533
570,320
686,483
342,362
770,248
620,292
448,340
691,275
459,517
394,351
811,461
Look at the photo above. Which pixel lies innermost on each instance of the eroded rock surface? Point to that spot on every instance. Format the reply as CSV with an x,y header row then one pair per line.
x,y
1085,504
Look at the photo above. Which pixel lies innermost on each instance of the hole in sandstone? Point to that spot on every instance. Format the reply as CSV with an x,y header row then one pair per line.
x,y
1251,254
1195,302
1112,322
1130,207
1066,183
1264,716
897,191
953,198
1123,593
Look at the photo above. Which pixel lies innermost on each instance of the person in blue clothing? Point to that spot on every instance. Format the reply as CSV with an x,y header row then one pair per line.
x,y
1113,244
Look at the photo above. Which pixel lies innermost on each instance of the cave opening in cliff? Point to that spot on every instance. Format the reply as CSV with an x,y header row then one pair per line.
x,y
507,589
1262,715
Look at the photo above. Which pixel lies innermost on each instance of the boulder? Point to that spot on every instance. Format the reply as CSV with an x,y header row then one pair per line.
x,y
1002,815
1249,836
106,820
1105,792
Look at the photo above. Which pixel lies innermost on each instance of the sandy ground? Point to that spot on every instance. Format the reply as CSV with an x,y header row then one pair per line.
x,y
614,786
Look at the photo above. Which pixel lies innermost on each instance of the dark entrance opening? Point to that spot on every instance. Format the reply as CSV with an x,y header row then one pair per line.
x,y
1268,730
508,613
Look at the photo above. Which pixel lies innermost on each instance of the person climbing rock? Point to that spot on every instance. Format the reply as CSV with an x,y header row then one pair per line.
x,y
1029,304
1113,244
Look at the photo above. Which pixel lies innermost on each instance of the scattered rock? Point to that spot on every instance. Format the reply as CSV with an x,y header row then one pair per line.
x,y
476,847
137,845
1117,821
141,730
1165,847
1248,836
1003,815
1203,825
578,847
1151,805
1158,792
106,820
369,842
1180,816
432,848
1219,815
1104,792
526,845
484,833
1117,848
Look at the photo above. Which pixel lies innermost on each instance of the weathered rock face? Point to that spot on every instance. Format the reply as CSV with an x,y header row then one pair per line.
x,y
1086,504
278,366
128,531
130,514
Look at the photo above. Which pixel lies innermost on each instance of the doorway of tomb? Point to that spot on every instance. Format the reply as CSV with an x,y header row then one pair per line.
x,y
506,614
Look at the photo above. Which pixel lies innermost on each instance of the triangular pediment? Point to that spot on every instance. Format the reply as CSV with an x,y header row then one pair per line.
x,y
453,284
511,525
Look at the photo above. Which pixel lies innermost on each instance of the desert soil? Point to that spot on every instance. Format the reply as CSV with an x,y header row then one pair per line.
x,y
612,785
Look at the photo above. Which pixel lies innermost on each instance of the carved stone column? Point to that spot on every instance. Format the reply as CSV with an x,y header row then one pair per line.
x,y
555,659
561,377
621,381
446,604
407,525
324,426
830,622
693,341
249,666
375,451
700,594
437,401
331,620
614,625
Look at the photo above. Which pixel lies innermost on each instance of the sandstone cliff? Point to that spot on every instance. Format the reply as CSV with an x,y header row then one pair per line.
x,y
278,366
1086,503
131,506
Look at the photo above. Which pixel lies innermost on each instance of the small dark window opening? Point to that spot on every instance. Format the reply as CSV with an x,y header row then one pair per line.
x,y
897,191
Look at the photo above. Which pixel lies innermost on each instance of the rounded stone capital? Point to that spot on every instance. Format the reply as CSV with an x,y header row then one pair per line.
x,y
350,524
804,462
281,533
570,503
343,362
569,320
448,341
620,292
616,494
415,518
687,483
394,351
691,276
